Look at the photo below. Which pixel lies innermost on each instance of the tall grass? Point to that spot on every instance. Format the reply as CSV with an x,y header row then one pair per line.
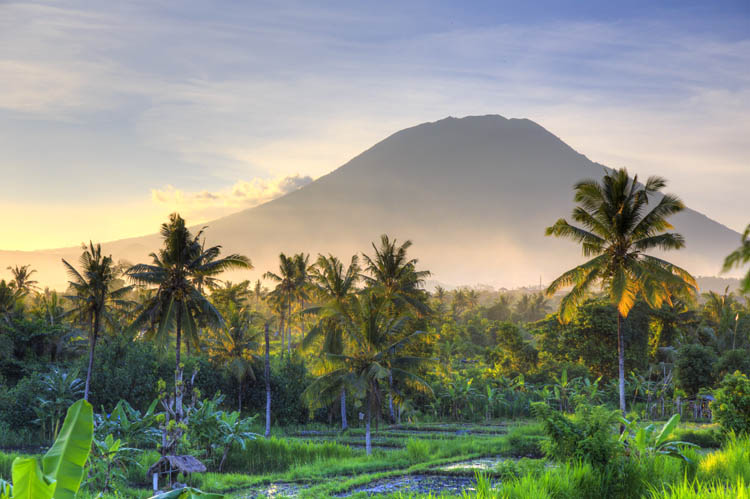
x,y
276,455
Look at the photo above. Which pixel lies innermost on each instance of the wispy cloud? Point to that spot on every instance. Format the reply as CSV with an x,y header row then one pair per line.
x,y
203,205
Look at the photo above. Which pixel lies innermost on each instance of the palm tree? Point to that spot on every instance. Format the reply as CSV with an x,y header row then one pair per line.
x,y
22,280
333,286
284,292
9,299
177,271
740,257
370,360
94,295
236,348
394,276
617,231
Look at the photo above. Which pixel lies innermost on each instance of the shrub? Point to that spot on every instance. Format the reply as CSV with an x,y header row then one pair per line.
x,y
587,436
694,368
731,408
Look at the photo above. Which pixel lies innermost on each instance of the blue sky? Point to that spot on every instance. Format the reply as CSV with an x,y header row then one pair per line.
x,y
113,114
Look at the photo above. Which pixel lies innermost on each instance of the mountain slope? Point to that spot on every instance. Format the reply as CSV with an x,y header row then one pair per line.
x,y
474,194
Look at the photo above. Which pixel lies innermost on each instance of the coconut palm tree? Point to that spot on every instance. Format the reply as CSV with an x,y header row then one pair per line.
x,y
285,291
176,271
740,257
371,358
333,286
394,276
22,280
236,348
617,230
9,299
94,296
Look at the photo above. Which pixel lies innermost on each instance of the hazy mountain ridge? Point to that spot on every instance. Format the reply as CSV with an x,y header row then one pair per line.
x,y
474,194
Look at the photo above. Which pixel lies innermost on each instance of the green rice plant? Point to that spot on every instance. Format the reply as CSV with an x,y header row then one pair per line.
x,y
729,464
277,455
697,489
418,450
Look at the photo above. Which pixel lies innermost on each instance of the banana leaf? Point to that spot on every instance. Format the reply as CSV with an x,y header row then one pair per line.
x,y
64,462
28,480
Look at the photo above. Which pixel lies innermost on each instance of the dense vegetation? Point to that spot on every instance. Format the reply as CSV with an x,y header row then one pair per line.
x,y
176,361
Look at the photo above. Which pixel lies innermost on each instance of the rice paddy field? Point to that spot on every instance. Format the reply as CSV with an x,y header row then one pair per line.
x,y
498,459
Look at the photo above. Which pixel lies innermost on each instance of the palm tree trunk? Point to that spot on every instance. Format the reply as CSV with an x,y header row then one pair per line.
x,y
178,369
621,362
289,327
344,425
239,400
390,397
282,331
267,374
92,347
368,441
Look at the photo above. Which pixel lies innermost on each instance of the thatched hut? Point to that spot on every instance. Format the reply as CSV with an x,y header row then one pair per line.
x,y
171,466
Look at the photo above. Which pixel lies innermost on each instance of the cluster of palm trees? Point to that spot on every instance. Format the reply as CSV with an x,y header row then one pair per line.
x,y
360,319
362,322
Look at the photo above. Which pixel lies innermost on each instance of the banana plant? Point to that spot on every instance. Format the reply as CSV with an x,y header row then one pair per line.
x,y
648,440
61,470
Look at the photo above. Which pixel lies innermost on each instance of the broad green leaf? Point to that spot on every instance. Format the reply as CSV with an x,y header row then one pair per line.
x,y
187,493
666,431
28,480
65,460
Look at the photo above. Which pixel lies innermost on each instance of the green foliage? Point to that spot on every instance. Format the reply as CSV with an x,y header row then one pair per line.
x,y
268,455
731,407
62,468
649,440
417,450
694,368
109,461
731,361
588,435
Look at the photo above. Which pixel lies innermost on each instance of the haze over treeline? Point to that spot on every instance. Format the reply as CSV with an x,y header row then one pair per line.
x,y
473,194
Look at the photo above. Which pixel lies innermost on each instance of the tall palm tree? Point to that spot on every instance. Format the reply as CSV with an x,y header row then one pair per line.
x,y
371,358
284,293
394,276
618,230
177,271
302,289
94,295
333,286
236,348
22,280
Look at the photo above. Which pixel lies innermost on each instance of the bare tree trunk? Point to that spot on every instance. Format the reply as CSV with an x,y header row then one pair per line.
x,y
289,327
344,425
178,388
92,347
282,331
390,397
368,441
239,401
621,362
267,373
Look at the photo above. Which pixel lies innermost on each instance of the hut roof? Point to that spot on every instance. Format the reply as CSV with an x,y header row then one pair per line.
x,y
184,464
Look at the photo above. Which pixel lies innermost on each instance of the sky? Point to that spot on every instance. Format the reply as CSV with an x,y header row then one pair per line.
x,y
114,114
